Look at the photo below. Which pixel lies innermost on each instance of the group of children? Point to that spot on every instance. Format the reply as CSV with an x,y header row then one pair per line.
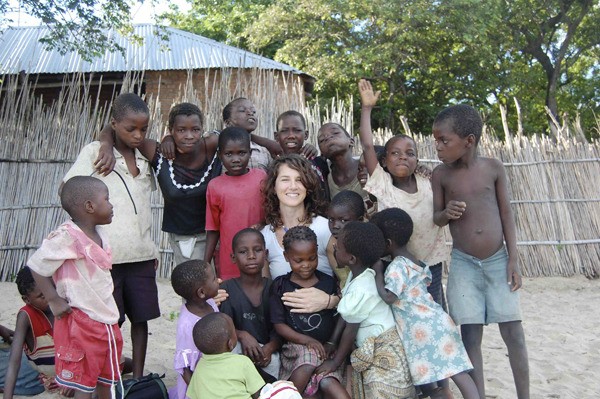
x,y
388,334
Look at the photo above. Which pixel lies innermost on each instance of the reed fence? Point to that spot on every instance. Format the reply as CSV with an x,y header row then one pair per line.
x,y
555,199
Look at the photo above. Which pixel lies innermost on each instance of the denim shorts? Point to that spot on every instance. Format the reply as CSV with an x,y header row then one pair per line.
x,y
478,290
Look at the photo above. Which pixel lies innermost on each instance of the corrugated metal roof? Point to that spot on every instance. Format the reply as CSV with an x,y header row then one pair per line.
x,y
20,50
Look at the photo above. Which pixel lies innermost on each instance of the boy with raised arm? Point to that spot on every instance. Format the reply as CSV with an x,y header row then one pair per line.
x,y
470,194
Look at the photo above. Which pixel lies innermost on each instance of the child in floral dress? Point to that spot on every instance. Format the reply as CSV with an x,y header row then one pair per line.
x,y
433,346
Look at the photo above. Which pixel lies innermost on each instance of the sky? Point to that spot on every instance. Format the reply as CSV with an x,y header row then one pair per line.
x,y
141,12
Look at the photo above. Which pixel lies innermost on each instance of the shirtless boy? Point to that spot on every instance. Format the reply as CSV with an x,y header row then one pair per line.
x,y
470,194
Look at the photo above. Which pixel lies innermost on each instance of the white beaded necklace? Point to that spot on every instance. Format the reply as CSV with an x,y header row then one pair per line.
x,y
172,173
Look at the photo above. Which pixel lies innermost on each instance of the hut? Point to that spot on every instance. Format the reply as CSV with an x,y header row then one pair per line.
x,y
165,57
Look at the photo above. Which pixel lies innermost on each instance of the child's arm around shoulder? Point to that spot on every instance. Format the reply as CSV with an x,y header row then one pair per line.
x,y
368,99
387,296
105,162
272,146
22,327
508,225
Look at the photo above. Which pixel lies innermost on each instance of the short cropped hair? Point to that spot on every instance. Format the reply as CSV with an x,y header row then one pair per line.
x,y
380,152
234,134
290,113
396,138
335,124
351,200
363,240
188,277
128,102
464,120
298,233
211,333
25,281
396,225
229,106
243,232
187,109
77,190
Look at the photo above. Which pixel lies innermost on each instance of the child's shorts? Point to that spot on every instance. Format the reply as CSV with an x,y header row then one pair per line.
x,y
87,352
478,290
135,292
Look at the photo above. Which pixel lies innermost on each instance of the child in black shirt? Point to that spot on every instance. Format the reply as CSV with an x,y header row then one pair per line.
x,y
306,334
248,304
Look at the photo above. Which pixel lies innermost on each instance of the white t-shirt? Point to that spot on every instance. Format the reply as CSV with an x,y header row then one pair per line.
x,y
278,266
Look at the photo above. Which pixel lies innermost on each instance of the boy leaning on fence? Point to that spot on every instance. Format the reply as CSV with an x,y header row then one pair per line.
x,y
470,194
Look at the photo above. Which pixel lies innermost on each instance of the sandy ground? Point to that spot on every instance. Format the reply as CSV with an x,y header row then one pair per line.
x,y
562,320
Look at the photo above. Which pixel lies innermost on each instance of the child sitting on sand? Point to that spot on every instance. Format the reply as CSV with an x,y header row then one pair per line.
x,y
248,304
431,340
305,334
220,373
33,335
196,283
27,380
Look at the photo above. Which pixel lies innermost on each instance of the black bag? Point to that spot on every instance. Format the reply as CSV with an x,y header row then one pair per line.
x,y
150,386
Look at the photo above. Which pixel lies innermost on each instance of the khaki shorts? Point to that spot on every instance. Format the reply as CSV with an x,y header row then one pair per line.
x,y
194,247
478,290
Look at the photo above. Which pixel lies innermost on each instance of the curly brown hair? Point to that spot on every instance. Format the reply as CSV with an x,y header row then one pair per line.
x,y
314,203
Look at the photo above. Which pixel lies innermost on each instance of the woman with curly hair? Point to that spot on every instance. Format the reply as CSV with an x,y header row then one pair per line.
x,y
293,197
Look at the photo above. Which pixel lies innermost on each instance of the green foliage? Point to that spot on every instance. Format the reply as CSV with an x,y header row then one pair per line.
x,y
222,21
81,26
425,54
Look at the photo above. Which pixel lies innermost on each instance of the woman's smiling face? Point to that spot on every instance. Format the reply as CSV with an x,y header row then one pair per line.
x,y
288,187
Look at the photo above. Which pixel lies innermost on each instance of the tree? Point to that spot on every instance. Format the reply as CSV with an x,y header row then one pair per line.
x,y
224,21
82,26
426,54
558,35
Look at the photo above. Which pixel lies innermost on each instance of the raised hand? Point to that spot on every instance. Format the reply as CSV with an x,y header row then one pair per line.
x,y
368,98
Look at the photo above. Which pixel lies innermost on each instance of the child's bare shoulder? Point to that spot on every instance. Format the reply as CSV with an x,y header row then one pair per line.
x,y
492,165
440,169
439,174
